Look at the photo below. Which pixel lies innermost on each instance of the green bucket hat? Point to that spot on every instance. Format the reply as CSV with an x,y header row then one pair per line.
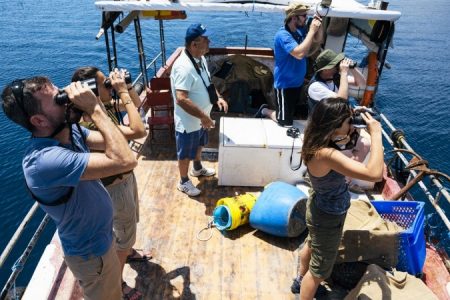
x,y
328,59
295,8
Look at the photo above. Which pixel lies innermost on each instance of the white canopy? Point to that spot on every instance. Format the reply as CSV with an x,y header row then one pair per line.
x,y
338,8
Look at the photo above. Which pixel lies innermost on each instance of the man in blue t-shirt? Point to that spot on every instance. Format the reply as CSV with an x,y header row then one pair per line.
x,y
292,44
63,176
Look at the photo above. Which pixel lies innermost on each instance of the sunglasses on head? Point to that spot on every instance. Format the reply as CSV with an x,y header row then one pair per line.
x,y
17,89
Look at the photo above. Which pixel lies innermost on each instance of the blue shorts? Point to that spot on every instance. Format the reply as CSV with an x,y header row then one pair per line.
x,y
188,143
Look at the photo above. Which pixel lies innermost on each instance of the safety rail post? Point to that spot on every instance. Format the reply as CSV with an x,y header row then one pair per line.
x,y
162,42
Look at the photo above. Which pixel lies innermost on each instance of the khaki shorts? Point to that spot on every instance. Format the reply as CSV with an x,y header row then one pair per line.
x,y
325,232
124,196
99,276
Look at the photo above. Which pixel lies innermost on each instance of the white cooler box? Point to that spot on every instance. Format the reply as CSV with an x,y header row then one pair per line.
x,y
255,152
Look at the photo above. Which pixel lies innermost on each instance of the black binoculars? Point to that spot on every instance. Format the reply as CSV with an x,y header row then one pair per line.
x,y
357,119
353,64
108,84
62,98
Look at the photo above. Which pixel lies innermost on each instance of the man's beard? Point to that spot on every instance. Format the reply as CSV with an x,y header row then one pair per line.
x,y
54,121
300,26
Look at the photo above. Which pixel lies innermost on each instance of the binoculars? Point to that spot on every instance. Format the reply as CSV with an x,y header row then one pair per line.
x,y
359,122
353,64
62,98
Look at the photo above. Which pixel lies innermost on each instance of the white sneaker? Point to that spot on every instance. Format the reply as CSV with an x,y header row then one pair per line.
x,y
189,189
202,172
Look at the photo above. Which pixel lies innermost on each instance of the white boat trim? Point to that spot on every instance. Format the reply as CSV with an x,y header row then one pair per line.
x,y
339,8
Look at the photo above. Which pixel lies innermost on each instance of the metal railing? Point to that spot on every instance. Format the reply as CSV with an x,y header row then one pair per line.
x,y
152,63
20,262
18,233
442,192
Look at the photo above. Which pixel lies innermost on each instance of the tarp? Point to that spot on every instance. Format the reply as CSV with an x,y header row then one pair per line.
x,y
338,8
243,75
377,283
368,237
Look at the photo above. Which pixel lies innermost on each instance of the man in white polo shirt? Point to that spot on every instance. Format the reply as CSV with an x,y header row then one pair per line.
x,y
190,81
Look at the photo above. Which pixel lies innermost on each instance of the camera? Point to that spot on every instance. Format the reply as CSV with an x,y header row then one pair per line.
x,y
358,121
293,132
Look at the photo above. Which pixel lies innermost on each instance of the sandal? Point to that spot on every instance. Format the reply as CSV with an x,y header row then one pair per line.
x,y
133,294
136,257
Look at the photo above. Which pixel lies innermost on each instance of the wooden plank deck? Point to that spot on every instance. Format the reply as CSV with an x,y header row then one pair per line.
x,y
239,264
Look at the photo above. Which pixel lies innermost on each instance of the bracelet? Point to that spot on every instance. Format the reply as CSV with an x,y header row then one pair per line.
x,y
128,102
129,89
122,92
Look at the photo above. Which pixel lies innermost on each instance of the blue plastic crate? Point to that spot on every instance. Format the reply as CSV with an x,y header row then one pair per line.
x,y
410,216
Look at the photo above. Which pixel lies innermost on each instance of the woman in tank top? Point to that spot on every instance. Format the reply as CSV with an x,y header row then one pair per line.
x,y
328,132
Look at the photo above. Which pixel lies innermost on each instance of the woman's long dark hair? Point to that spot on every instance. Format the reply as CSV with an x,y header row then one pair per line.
x,y
328,115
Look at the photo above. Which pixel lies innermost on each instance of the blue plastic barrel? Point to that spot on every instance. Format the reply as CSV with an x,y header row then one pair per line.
x,y
280,210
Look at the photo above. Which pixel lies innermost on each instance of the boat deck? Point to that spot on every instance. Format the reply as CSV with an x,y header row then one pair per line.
x,y
239,264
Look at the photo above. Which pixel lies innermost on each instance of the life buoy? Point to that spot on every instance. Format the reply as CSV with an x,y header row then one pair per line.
x,y
372,78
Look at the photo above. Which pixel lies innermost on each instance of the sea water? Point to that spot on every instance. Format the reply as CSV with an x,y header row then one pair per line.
x,y
54,37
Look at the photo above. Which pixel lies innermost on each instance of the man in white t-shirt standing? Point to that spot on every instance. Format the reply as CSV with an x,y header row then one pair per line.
x,y
332,78
190,80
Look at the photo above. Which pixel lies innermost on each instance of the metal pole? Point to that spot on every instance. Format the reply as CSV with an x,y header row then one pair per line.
x,y
18,233
385,50
346,36
163,42
140,45
245,45
18,265
108,50
113,40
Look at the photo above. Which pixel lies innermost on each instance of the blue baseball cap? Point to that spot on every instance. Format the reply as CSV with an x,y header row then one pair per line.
x,y
194,31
